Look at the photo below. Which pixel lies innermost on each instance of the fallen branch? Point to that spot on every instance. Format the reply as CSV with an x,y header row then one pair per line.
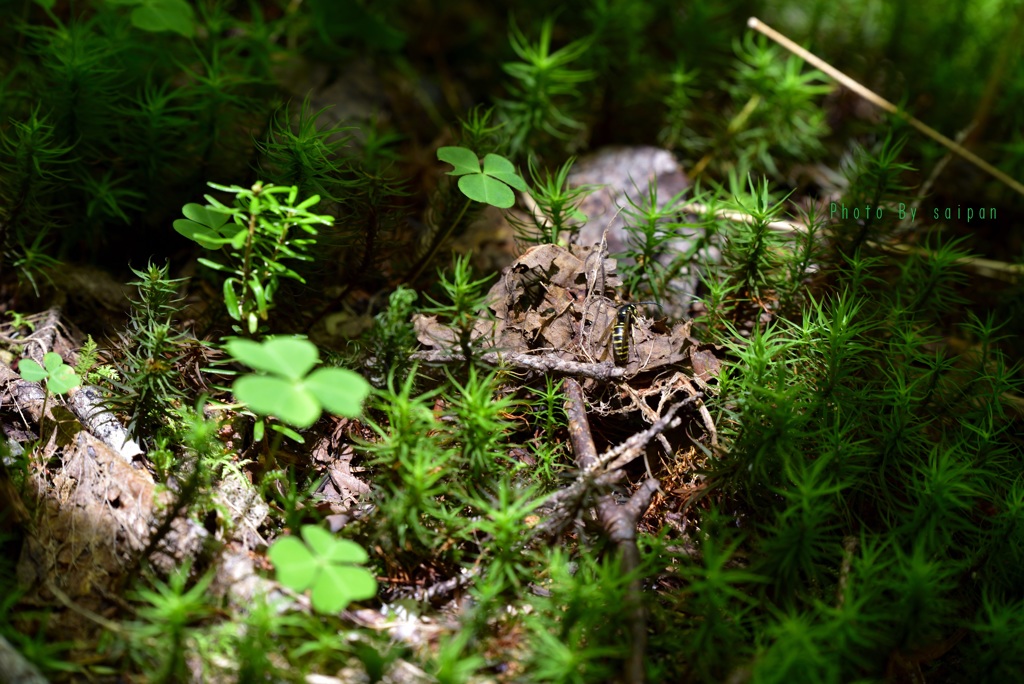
x,y
619,523
547,363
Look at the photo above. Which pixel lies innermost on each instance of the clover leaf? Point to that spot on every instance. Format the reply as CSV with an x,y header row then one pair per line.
x,y
490,185
161,15
60,378
207,227
327,564
285,391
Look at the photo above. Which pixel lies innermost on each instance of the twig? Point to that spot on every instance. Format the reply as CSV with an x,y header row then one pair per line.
x,y
849,547
565,502
547,363
882,103
619,523
622,454
103,622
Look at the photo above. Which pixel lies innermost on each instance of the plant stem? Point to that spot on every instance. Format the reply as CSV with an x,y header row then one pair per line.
x,y
438,240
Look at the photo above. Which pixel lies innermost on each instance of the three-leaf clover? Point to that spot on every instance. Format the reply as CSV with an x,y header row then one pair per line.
x,y
285,390
161,15
60,378
327,564
489,185
207,227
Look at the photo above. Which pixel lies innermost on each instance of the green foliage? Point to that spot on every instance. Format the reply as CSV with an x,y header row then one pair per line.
x,y
329,566
652,231
864,504
481,416
875,178
836,416
574,629
500,521
412,468
468,302
548,409
752,249
545,93
160,639
33,166
303,155
807,251
106,122
392,339
148,377
255,643
284,488
286,389
718,590
454,662
557,211
991,653
777,114
161,15
679,103
254,237
492,184
46,653
60,378
478,133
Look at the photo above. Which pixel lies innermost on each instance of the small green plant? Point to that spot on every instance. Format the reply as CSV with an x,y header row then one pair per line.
x,y
752,251
777,114
60,379
468,302
498,528
254,237
148,353
89,366
679,105
33,167
653,257
480,410
557,217
455,662
41,649
574,630
876,178
545,92
160,639
413,466
392,340
327,565
478,133
490,184
286,389
296,152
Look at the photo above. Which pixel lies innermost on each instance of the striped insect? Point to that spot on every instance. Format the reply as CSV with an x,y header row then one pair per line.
x,y
622,331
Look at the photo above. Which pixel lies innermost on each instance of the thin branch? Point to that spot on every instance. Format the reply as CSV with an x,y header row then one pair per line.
x,y
546,363
882,103
619,523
